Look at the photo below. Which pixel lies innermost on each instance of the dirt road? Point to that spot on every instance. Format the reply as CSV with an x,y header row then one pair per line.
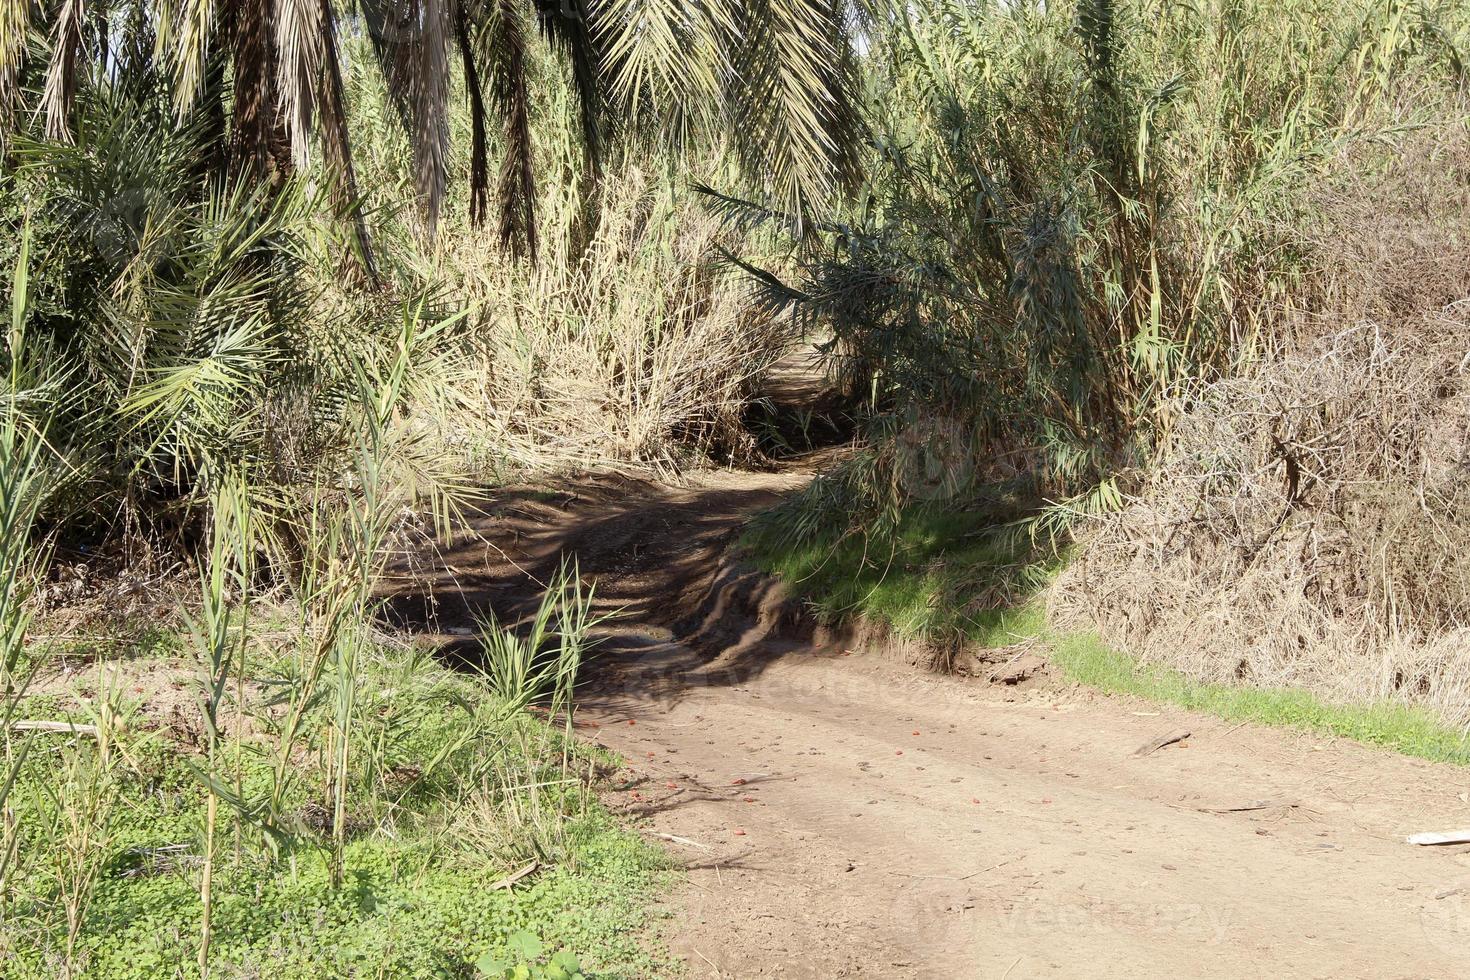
x,y
842,814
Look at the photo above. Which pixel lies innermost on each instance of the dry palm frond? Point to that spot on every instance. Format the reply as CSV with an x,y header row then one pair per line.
x,y
479,152
431,108
299,56
15,24
61,77
336,146
254,93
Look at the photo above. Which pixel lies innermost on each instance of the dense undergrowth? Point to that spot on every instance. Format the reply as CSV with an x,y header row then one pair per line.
x,y
1184,285
273,325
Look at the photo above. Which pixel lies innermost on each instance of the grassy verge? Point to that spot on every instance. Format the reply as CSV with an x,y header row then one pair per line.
x,y
451,794
1085,658
940,574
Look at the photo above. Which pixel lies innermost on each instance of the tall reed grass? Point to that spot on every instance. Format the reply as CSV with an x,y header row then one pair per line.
x,y
1077,213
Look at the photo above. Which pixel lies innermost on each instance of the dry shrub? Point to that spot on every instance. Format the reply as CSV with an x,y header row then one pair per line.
x,y
1308,522
640,348
1390,229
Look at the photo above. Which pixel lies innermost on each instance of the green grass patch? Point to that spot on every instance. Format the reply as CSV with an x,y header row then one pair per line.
x,y
941,573
1085,658
937,573
450,796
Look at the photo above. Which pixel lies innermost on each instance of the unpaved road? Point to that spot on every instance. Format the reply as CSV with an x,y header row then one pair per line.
x,y
845,814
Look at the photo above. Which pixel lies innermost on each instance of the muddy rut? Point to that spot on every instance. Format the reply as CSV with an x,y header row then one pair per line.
x,y
843,813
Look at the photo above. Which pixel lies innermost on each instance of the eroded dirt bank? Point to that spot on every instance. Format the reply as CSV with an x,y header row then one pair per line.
x,y
841,813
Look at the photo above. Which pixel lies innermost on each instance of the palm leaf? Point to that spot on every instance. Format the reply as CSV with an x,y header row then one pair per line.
x,y
479,153
505,47
300,31
410,40
790,92
567,25
61,75
778,72
336,145
185,30
15,25
254,102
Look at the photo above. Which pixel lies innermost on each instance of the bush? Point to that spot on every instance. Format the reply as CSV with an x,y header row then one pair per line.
x,y
1307,523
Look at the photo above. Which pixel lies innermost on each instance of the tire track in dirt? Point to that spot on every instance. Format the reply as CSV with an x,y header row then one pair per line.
x,y
844,814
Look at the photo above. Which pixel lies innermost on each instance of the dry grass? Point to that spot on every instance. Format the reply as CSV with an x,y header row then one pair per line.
x,y
1308,523
640,350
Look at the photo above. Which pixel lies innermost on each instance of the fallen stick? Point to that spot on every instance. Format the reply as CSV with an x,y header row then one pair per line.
x,y
1149,748
905,874
54,726
674,838
1444,837
1247,807
515,876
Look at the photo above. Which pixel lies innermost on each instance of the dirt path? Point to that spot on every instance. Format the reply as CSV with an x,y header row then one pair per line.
x,y
847,815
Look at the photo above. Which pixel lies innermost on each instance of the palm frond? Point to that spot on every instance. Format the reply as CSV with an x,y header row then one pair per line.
x,y
777,72
567,25
299,57
61,76
254,103
337,146
479,153
15,25
791,87
505,46
410,40
185,31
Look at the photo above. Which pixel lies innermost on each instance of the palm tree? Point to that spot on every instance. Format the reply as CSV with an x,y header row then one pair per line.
x,y
779,73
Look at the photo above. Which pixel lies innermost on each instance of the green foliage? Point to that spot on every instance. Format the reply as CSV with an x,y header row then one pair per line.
x,y
540,662
1077,212
168,311
341,804
28,477
938,573
417,897
524,963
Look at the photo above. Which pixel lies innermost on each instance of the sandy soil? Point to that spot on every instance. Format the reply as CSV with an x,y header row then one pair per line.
x,y
841,813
